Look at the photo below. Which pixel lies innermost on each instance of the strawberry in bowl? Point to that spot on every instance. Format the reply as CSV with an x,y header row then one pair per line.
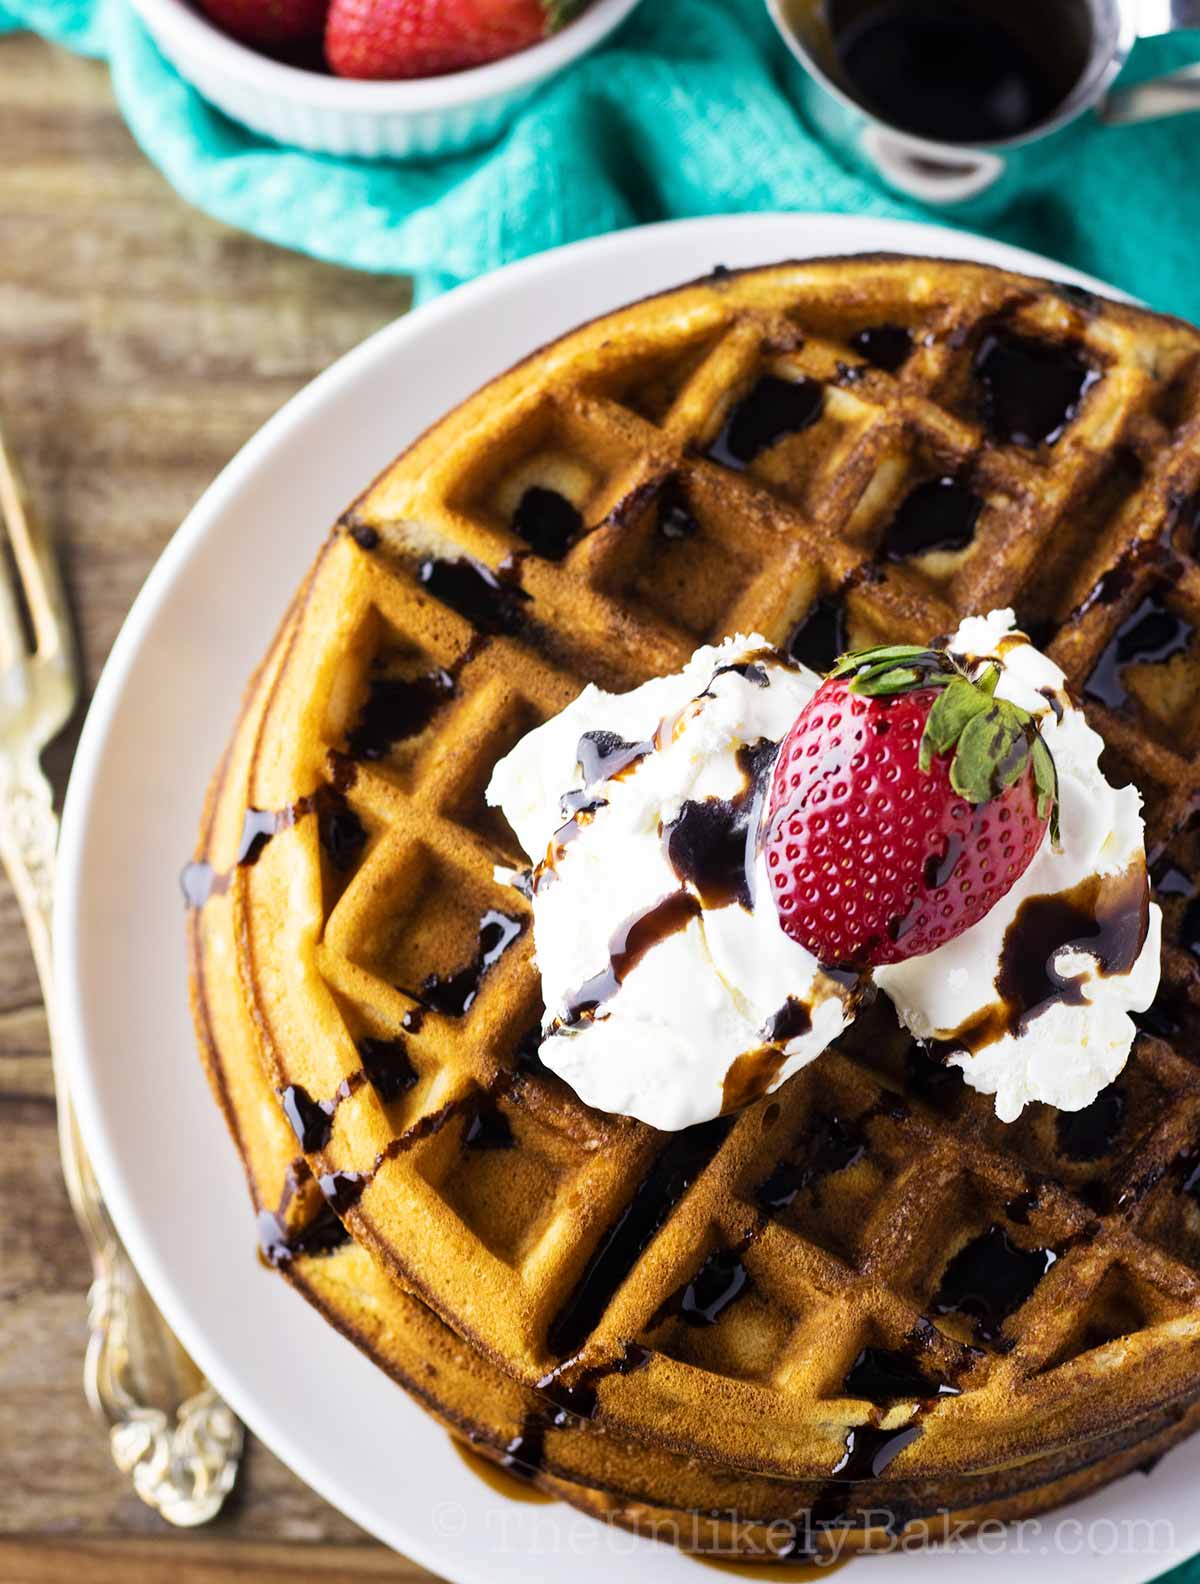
x,y
421,81
389,39
276,27
394,40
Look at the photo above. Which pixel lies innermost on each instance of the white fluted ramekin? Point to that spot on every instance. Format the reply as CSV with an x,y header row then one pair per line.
x,y
375,120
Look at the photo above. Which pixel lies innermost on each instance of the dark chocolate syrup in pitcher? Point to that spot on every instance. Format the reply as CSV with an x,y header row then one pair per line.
x,y
978,73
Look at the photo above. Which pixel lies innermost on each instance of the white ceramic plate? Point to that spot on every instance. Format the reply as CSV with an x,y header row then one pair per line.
x,y
159,721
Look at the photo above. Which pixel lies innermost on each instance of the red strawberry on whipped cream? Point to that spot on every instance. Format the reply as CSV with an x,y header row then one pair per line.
x,y
907,799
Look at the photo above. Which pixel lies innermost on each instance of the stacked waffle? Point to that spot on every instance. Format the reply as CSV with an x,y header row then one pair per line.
x,y
862,1301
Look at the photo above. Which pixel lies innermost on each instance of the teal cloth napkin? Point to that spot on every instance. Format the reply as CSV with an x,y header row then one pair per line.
x,y
683,113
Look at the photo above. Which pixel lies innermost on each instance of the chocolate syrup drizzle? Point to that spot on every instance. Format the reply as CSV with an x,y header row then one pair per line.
x,y
939,514
492,602
989,1279
773,409
603,756
888,346
884,1376
397,708
1168,1015
388,1067
681,1160
548,522
1091,1133
721,1280
1106,917
577,810
454,994
675,517
712,845
632,941
1120,577
312,1120
321,1235
1151,635
567,1404
831,1145
485,1127
1031,390
821,637
341,833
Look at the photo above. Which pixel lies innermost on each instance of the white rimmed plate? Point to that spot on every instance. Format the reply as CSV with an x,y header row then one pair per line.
x,y
161,714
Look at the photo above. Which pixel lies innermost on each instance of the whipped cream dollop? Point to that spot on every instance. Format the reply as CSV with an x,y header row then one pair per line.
x,y
710,981
1037,1019
672,992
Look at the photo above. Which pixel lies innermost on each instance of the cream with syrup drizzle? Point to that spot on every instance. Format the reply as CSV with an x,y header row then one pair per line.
x,y
659,972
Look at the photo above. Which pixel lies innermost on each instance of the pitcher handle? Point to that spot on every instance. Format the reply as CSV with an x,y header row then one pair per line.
x,y
1162,96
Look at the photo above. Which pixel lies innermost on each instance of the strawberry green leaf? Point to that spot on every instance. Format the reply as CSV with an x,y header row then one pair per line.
x,y
889,680
882,654
1045,776
988,680
959,702
993,752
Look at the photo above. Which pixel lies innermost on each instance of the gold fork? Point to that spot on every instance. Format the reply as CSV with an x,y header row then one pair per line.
x,y
168,1429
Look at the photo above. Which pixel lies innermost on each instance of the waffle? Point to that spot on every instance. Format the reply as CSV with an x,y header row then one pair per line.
x,y
742,454
611,1478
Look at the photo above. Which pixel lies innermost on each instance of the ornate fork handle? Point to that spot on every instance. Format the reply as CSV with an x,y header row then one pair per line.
x,y
168,1429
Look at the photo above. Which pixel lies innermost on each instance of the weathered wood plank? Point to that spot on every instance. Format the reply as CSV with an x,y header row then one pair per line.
x,y
197,1561
140,345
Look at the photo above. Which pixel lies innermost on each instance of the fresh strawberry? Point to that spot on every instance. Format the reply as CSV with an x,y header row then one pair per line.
x,y
906,801
276,26
425,38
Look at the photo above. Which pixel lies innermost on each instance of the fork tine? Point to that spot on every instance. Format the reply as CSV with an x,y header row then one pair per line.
x,y
36,566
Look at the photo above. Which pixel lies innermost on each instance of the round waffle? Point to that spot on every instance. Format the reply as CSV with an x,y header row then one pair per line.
x,y
643,486
610,1477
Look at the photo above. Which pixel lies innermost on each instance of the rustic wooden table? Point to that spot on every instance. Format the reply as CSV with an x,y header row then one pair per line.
x,y
140,345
